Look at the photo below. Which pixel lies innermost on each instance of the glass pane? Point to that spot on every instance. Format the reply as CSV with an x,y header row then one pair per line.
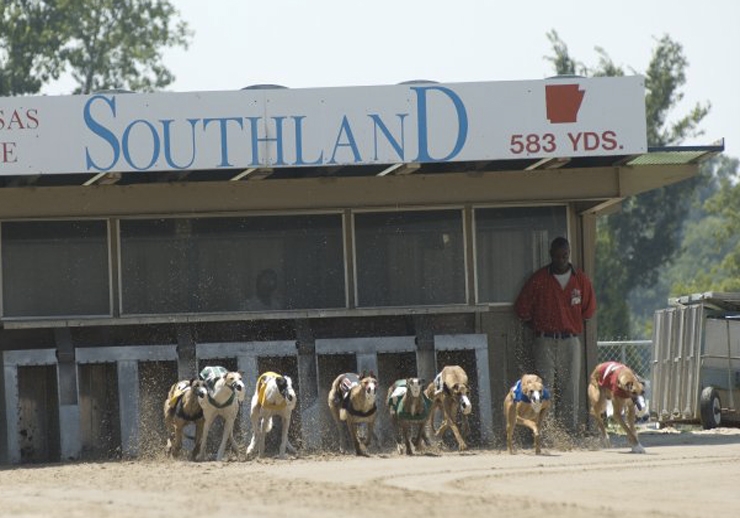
x,y
261,263
510,244
55,268
410,258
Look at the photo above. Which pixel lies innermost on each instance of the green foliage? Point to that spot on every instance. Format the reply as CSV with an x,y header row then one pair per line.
x,y
635,243
725,207
102,44
30,39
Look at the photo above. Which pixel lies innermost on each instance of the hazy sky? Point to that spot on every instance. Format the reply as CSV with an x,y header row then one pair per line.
x,y
317,43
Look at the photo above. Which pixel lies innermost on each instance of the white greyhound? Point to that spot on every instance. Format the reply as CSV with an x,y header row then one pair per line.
x,y
274,396
223,397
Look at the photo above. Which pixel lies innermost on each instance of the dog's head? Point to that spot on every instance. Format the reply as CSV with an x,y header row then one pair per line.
x,y
368,384
285,387
534,389
414,386
628,381
461,393
234,381
199,387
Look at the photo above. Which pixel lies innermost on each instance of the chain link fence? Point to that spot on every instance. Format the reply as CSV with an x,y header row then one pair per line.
x,y
636,354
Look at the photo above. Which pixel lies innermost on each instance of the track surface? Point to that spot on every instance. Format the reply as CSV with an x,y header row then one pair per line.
x,y
689,474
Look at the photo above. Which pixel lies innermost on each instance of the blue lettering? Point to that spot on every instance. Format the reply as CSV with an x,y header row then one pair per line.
x,y
299,143
155,144
102,132
253,121
222,121
168,143
462,123
345,129
378,123
278,140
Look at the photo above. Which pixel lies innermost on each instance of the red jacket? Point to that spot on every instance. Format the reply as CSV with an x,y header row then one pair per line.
x,y
552,309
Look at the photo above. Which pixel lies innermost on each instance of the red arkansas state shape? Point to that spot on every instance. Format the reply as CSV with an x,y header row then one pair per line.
x,y
563,102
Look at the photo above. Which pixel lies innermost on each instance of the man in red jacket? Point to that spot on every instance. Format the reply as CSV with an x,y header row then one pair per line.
x,y
555,301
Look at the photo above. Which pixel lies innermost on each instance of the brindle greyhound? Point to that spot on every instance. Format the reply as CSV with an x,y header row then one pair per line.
x,y
181,408
408,405
352,399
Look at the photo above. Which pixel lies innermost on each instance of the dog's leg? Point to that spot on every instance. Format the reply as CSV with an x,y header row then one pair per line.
x,y
265,427
204,438
405,425
255,419
597,402
436,407
532,425
636,446
234,445
285,425
538,423
360,448
371,440
397,433
461,444
510,414
286,419
174,438
228,430
621,405
419,436
198,438
340,428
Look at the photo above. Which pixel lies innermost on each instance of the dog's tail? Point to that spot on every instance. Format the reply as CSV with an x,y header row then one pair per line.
x,y
268,425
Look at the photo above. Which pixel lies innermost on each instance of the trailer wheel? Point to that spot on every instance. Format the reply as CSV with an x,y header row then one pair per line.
x,y
711,409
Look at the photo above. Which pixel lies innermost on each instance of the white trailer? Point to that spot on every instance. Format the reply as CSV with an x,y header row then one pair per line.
x,y
696,360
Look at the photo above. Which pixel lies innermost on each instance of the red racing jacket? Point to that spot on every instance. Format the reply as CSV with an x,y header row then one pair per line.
x,y
607,377
552,309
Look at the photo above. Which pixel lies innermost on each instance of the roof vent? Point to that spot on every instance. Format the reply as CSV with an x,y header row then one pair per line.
x,y
264,86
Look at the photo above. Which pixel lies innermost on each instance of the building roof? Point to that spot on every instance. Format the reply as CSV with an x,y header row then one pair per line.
x,y
655,156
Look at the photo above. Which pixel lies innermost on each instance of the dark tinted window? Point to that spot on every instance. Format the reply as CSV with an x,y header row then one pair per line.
x,y
55,268
410,258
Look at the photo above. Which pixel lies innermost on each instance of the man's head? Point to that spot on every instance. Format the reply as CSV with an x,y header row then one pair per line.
x,y
560,254
266,283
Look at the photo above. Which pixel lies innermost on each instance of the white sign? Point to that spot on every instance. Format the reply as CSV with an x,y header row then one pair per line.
x,y
409,123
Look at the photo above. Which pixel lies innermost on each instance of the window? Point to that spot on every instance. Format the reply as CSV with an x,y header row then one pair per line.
x,y
216,264
55,268
510,244
410,258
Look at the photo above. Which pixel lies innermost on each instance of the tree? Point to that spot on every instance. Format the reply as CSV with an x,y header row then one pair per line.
x,y
725,207
102,44
30,40
633,244
709,241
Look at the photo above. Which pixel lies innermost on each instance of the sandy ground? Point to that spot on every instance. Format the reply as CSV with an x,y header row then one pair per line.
x,y
684,474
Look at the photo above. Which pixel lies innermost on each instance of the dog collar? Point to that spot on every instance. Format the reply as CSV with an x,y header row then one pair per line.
x,y
225,403
358,413
520,397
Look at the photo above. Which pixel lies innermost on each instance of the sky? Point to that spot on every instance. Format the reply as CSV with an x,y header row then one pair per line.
x,y
327,43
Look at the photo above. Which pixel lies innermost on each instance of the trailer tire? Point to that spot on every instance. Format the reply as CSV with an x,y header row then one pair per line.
x,y
711,408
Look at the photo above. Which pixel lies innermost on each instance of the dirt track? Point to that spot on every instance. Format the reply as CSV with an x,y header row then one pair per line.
x,y
689,474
